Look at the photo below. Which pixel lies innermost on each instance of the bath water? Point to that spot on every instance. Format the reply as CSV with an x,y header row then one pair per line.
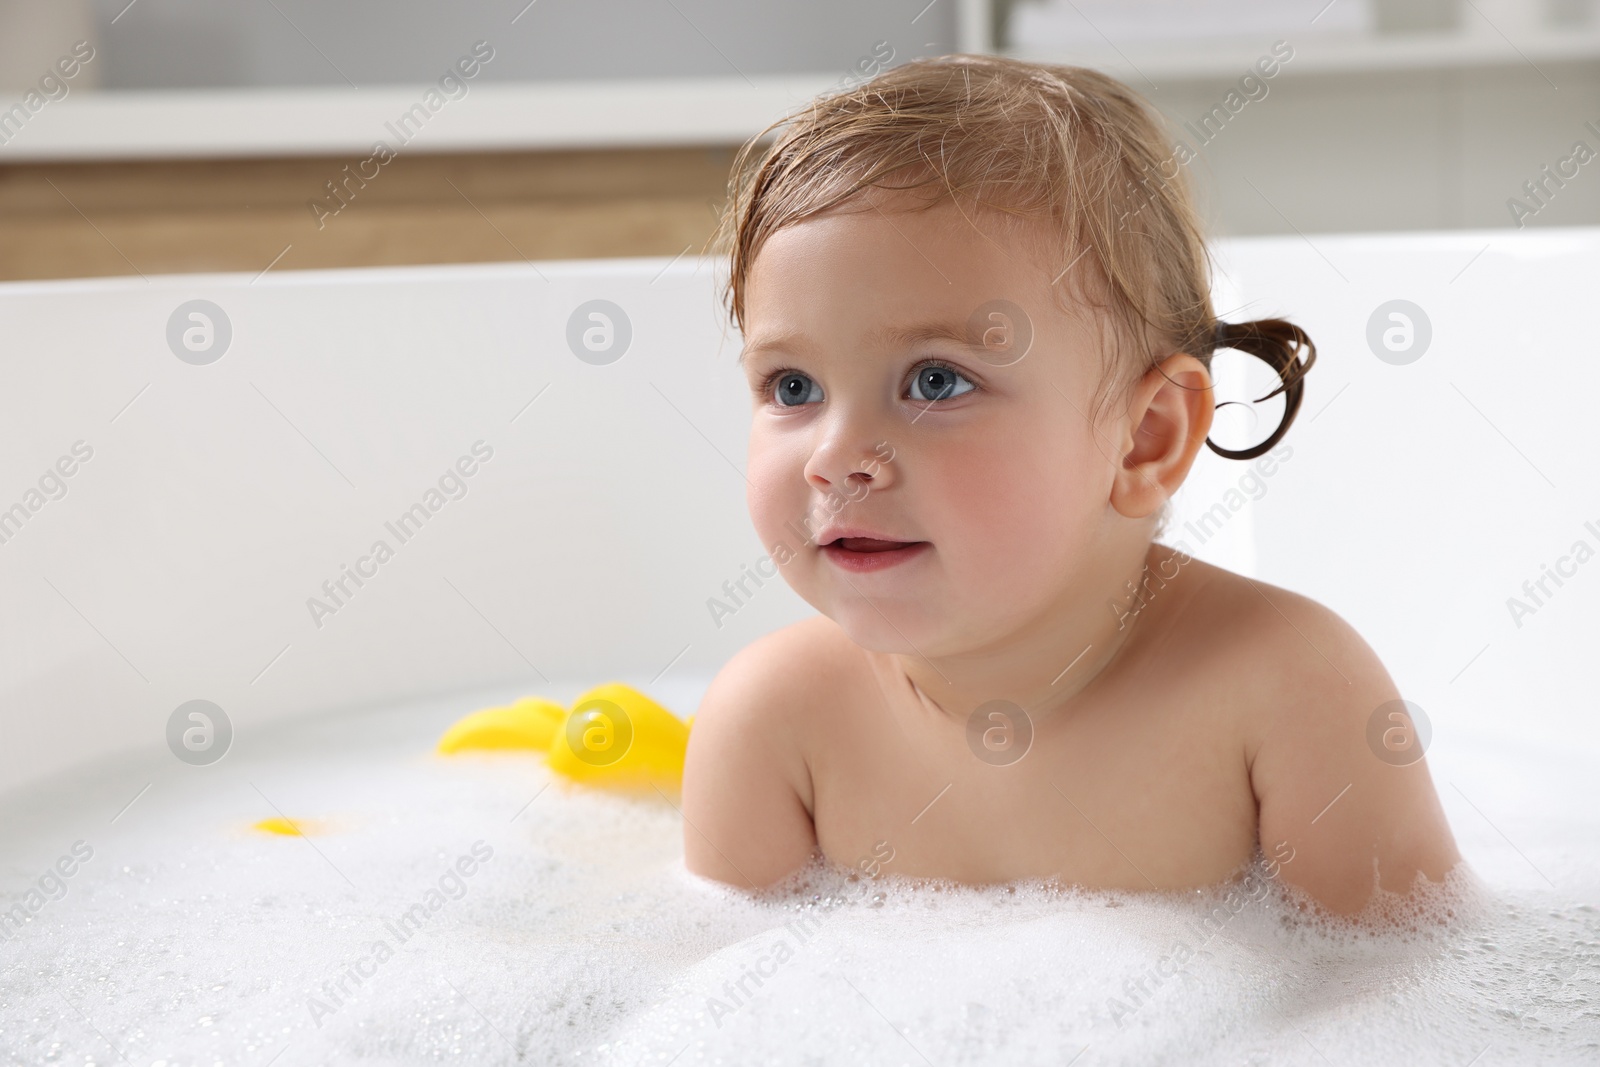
x,y
469,909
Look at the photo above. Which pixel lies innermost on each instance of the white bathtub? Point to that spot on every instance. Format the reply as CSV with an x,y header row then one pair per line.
x,y
218,497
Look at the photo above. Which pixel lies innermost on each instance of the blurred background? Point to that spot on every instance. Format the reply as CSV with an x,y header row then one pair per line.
x,y
158,136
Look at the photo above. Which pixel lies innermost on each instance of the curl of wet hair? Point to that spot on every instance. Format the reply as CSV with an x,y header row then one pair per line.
x,y
1278,344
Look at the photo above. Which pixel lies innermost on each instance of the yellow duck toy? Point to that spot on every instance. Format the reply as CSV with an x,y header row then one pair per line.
x,y
614,737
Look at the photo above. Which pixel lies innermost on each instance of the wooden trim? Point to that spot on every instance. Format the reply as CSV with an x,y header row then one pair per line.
x,y
71,220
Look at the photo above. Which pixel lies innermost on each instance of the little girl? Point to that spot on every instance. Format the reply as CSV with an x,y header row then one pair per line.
x,y
974,297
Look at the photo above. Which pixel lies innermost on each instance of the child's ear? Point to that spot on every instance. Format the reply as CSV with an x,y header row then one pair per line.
x,y
1168,417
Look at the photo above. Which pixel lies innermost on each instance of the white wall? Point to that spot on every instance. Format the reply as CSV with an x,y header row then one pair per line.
x,y
219,497
1422,496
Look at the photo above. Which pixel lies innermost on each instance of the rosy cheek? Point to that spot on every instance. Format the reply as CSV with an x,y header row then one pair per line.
x,y
1014,496
776,490
981,492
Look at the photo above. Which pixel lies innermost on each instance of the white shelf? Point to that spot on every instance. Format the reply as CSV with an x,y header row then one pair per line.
x,y
345,121
1324,54
647,112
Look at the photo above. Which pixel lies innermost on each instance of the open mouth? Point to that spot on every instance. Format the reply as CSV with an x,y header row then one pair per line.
x,y
869,544
862,554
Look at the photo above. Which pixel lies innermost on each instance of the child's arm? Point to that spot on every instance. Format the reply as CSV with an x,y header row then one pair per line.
x,y
1320,786
746,788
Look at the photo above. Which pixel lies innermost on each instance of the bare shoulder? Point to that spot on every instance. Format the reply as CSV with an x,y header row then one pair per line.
x,y
1343,792
1288,640
747,791
778,681
1290,662
797,652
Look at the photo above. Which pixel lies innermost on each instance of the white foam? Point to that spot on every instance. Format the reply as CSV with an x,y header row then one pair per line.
x,y
188,939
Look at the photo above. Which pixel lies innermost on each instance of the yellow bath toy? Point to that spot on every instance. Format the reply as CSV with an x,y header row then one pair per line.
x,y
531,722
614,736
617,736
285,827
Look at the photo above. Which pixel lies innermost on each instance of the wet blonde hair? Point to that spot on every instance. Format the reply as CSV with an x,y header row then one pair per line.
x,y
1064,145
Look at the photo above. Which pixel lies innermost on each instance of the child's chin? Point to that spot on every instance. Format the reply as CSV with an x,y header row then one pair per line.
x,y
886,627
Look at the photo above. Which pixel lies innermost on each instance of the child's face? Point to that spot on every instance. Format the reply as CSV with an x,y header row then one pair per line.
x,y
987,457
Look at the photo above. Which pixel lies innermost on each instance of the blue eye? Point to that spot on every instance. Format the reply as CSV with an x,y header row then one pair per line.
x,y
938,382
793,389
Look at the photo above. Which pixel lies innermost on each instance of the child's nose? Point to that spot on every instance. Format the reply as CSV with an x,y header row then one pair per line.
x,y
851,466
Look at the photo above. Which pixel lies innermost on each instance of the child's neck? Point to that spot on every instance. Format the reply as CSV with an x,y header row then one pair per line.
x,y
1056,660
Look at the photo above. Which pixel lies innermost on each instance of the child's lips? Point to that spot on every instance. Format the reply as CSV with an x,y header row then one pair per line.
x,y
871,544
861,554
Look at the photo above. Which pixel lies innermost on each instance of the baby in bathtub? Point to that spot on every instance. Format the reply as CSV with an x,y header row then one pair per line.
x,y
975,304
